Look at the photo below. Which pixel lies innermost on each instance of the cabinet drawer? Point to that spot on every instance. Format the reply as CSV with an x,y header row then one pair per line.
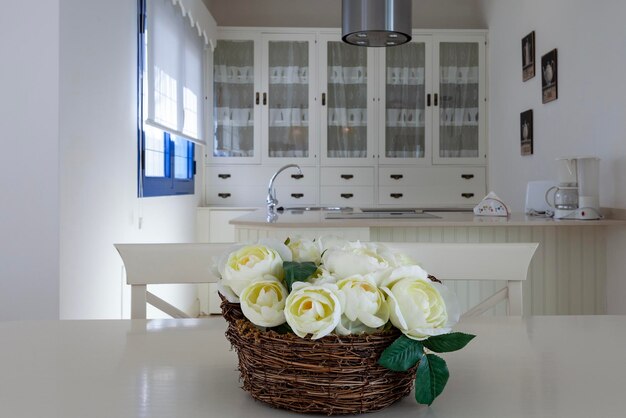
x,y
290,177
226,195
350,176
297,195
259,176
355,196
429,176
431,195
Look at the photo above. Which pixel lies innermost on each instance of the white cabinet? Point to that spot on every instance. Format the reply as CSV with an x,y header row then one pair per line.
x,y
350,116
431,186
459,99
212,223
347,76
432,94
264,86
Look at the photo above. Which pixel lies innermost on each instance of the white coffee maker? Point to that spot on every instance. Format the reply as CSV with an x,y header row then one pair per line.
x,y
576,196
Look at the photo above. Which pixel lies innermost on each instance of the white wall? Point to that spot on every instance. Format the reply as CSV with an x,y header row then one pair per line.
x,y
29,161
98,161
588,118
427,14
69,160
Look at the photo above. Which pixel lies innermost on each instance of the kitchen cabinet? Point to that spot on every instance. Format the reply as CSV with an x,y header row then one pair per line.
x,y
264,87
305,97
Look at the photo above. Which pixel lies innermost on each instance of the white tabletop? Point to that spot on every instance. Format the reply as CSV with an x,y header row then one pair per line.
x,y
535,367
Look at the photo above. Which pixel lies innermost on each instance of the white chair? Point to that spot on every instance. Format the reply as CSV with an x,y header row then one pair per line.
x,y
193,263
166,264
477,261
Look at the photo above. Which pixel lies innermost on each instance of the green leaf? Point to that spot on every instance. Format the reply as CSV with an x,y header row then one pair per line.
x,y
402,354
282,329
287,241
297,272
432,376
446,343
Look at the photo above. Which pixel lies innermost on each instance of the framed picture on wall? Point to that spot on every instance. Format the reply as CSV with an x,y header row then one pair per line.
x,y
549,79
528,56
526,132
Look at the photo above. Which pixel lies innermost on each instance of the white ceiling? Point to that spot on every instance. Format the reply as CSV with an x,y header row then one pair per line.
x,y
427,14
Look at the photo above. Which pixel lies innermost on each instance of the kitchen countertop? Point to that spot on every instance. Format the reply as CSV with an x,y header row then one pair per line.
x,y
317,219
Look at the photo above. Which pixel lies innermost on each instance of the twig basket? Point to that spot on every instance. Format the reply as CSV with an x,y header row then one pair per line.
x,y
332,375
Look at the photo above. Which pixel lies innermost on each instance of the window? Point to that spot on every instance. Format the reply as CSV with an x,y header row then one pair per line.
x,y
170,98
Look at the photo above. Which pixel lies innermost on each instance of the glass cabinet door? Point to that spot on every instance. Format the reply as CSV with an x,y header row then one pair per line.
x,y
406,115
346,119
288,61
235,138
460,101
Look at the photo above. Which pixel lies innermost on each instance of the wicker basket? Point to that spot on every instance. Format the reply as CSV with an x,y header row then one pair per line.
x,y
332,375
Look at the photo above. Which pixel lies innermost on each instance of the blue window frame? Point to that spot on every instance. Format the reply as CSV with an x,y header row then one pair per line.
x,y
166,162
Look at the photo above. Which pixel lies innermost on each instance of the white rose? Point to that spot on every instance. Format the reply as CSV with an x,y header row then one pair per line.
x,y
263,302
322,276
330,242
304,250
250,263
358,258
419,307
311,309
364,306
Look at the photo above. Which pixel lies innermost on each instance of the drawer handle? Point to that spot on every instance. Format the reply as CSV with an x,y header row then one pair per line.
x,y
297,195
467,195
224,195
224,176
396,195
396,176
297,176
467,176
347,195
347,176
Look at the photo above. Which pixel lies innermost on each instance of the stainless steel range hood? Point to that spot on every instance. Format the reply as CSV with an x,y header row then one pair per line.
x,y
381,23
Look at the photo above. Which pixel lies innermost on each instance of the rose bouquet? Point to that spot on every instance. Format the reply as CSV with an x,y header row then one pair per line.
x,y
317,288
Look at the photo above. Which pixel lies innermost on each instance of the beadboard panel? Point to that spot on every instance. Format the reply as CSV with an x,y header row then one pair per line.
x,y
255,233
567,275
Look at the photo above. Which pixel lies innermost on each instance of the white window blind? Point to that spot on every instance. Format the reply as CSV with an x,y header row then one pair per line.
x,y
175,71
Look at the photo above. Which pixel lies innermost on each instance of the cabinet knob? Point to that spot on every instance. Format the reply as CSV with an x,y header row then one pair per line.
x,y
224,195
297,195
264,98
467,195
224,176
396,176
323,99
467,176
297,176
347,176
257,98
347,195
396,195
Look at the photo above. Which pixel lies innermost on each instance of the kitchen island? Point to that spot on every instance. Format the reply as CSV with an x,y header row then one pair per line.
x,y
567,274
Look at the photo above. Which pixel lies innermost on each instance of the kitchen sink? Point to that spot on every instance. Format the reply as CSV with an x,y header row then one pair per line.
x,y
315,208
388,214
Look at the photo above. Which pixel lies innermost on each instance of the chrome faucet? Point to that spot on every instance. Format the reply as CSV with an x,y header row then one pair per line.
x,y
271,191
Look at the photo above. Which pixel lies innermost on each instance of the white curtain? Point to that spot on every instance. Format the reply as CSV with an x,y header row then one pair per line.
x,y
347,101
458,101
175,55
404,101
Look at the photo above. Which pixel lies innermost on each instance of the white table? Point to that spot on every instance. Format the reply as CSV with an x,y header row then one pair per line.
x,y
535,367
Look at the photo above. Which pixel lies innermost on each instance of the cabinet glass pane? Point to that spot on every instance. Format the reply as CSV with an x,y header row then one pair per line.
x,y
404,103
233,100
347,101
288,99
458,105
